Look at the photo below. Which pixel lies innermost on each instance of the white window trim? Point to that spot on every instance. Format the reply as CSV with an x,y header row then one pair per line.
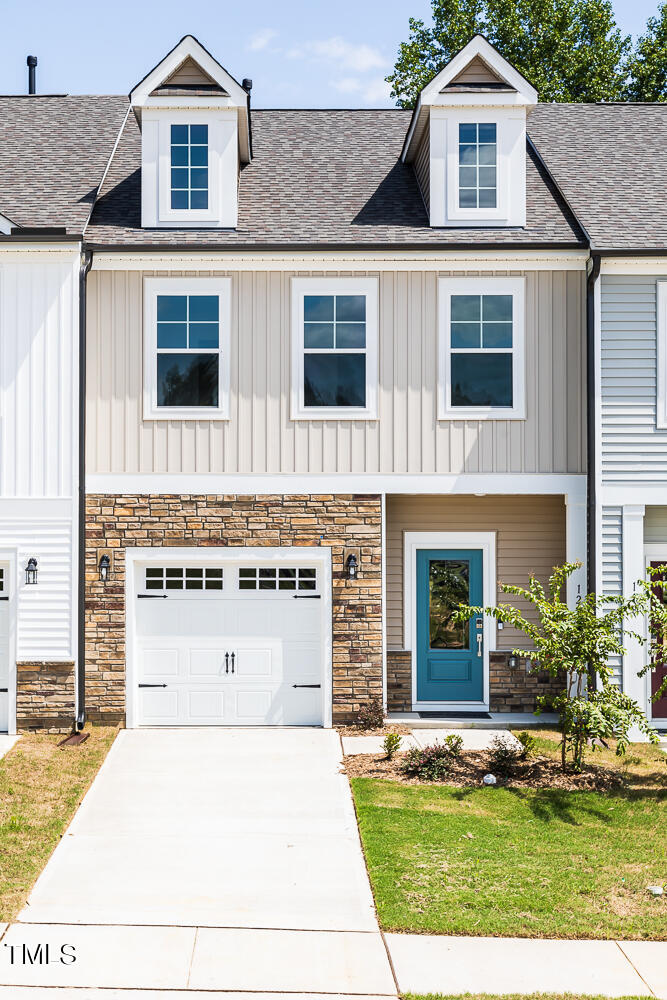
x,y
454,210
186,286
516,287
413,541
335,286
166,212
661,355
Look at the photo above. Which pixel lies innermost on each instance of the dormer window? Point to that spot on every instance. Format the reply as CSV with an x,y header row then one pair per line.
x,y
195,135
189,166
477,165
467,140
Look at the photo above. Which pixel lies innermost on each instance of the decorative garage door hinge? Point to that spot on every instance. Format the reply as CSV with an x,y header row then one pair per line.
x,y
306,685
307,597
152,685
148,597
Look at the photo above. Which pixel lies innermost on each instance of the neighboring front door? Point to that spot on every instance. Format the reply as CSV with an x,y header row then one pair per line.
x,y
659,673
450,656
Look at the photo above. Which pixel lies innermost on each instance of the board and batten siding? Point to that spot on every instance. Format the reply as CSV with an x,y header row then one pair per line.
x,y
611,526
634,450
407,438
38,367
530,538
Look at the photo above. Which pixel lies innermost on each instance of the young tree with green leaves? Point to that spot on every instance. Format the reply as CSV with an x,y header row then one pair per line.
x,y
575,644
569,50
647,65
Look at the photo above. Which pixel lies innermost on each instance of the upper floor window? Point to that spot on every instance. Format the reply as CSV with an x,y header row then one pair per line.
x,y
334,348
186,340
481,369
477,165
189,166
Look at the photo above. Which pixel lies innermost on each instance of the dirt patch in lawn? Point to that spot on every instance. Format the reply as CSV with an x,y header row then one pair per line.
x,y
391,727
470,768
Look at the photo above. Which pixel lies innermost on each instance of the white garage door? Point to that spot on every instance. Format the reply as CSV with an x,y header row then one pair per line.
x,y
235,644
4,647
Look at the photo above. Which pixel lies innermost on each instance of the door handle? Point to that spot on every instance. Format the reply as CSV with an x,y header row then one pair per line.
x,y
226,663
480,640
233,658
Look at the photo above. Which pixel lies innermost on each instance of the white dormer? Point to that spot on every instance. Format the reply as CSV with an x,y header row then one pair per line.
x,y
195,133
467,140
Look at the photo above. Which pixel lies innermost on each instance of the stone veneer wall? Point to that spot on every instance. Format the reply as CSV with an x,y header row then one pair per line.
x,y
509,690
45,694
339,522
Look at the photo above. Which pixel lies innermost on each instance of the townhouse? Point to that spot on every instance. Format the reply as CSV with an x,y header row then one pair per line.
x,y
331,357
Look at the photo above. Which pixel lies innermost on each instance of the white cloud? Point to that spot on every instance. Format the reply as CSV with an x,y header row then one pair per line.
x,y
261,39
347,85
377,90
346,55
371,91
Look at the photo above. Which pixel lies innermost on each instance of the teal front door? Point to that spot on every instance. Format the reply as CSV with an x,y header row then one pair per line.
x,y
450,656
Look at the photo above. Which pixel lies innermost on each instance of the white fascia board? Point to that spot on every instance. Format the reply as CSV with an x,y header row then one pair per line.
x,y
11,249
634,265
370,260
503,100
649,494
479,47
188,46
188,103
522,484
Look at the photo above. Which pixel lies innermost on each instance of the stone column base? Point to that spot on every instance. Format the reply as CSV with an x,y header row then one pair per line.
x,y
45,696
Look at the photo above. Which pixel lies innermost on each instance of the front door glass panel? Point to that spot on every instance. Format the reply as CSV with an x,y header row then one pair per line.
x,y
449,586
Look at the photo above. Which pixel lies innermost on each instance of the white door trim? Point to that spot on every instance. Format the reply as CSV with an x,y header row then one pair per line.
x,y
9,556
415,540
654,551
221,556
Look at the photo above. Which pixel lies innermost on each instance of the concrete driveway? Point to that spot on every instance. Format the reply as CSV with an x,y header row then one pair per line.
x,y
203,860
213,827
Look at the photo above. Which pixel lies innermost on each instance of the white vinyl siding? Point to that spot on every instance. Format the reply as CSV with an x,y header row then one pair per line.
x,y
407,437
612,568
634,448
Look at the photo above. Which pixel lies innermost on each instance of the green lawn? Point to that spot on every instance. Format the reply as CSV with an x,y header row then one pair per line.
x,y
518,862
512,996
41,787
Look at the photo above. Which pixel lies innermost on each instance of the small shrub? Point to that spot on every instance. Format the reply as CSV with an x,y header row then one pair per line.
x,y
529,744
432,763
371,715
454,745
504,754
392,744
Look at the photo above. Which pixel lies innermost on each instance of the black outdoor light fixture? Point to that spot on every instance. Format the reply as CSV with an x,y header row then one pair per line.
x,y
351,566
513,662
104,566
31,571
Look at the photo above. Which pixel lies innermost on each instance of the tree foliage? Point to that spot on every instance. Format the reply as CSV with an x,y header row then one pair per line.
x,y
576,644
569,50
647,65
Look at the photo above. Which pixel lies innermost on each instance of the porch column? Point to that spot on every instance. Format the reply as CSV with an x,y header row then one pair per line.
x,y
634,568
575,544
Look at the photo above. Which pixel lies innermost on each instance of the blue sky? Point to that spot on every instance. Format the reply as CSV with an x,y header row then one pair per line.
x,y
298,54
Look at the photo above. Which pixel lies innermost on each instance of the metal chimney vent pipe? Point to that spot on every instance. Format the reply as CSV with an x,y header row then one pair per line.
x,y
32,62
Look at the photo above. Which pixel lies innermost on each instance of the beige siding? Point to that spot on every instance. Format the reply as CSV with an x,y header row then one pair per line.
x,y
189,73
477,71
261,437
423,169
530,538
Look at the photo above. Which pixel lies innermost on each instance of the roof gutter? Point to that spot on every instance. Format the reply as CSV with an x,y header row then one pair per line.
x,y
591,417
84,268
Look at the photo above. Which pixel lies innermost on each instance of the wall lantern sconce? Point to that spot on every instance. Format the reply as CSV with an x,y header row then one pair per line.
x,y
104,567
31,571
351,566
513,662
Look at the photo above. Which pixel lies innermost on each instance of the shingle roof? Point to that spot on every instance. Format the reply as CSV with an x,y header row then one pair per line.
x,y
323,178
610,161
53,151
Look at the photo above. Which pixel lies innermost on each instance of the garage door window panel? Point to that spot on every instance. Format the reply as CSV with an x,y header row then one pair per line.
x,y
277,578
184,578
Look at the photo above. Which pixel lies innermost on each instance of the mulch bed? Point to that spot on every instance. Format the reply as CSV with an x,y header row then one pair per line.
x,y
470,768
391,727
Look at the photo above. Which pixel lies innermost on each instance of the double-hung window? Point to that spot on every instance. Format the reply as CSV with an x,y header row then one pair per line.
x,y
189,166
477,165
481,348
335,331
186,357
